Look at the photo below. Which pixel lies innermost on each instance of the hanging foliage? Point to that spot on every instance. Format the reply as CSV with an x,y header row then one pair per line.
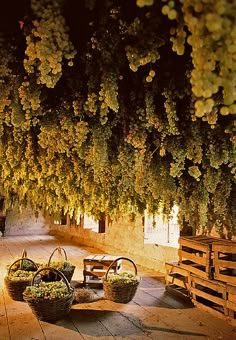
x,y
119,106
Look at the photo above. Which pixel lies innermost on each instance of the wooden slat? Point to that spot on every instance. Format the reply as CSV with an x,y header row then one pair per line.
x,y
231,289
232,297
217,286
231,305
176,281
227,247
194,245
175,268
99,264
208,297
197,259
195,270
201,239
225,278
89,257
94,273
226,264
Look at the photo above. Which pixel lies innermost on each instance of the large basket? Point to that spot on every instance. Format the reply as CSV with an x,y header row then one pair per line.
x,y
67,271
119,292
15,289
50,310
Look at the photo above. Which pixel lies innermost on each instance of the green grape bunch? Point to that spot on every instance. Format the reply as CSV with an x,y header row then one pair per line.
x,y
48,44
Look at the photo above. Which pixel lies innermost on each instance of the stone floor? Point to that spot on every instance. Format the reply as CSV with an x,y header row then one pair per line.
x,y
152,314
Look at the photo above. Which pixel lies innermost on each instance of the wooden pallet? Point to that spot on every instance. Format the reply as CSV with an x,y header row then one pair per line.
x,y
177,281
209,295
177,275
196,256
231,303
225,261
95,267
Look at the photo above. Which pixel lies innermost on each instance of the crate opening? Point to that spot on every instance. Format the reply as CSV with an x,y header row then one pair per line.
x,y
210,304
208,290
193,264
192,250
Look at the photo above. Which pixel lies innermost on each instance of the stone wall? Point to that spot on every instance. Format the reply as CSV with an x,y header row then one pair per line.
x,y
122,237
25,223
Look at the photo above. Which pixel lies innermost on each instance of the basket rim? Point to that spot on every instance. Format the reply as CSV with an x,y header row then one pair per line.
x,y
56,271
22,259
121,283
37,299
6,278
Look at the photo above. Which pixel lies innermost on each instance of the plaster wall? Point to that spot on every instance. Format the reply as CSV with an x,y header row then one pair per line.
x,y
122,237
25,223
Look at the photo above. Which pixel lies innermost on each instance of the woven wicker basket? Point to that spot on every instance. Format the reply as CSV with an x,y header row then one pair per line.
x,y
15,289
120,292
67,271
50,310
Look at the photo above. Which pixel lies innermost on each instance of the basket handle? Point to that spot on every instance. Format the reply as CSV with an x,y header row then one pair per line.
x,y
22,259
58,272
24,253
59,249
121,258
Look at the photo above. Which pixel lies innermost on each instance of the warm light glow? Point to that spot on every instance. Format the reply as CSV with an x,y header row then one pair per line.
x,y
159,231
90,223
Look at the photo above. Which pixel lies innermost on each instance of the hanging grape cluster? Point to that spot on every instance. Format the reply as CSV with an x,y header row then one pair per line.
x,y
212,38
48,43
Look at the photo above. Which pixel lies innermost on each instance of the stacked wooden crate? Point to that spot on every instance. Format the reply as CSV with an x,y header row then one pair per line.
x,y
196,256
207,272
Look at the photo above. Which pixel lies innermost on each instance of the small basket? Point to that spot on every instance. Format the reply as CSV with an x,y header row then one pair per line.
x,y
51,310
119,292
67,271
16,288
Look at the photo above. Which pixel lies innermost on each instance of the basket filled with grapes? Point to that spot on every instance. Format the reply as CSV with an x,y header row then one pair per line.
x,y
28,265
19,276
60,263
120,287
49,301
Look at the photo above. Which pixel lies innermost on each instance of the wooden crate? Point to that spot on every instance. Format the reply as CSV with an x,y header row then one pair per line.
x,y
196,256
209,295
177,275
95,267
225,261
177,280
231,303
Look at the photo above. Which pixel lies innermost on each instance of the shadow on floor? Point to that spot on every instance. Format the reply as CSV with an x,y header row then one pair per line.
x,y
98,323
